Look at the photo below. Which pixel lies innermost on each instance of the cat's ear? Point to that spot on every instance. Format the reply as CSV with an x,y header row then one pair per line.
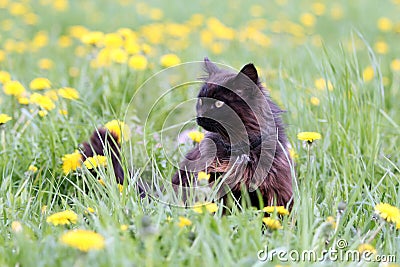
x,y
209,66
250,71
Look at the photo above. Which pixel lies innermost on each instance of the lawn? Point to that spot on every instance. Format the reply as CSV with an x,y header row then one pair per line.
x,y
69,66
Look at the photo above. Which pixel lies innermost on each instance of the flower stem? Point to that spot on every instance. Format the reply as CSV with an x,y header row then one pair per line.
x,y
3,138
308,156
375,233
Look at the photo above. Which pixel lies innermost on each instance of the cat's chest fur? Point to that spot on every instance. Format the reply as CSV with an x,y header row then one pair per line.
x,y
233,161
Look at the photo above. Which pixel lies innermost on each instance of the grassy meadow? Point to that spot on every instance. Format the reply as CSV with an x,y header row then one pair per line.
x,y
334,66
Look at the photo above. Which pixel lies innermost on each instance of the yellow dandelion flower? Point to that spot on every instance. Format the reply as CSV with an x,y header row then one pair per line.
x,y
62,218
206,37
14,88
147,49
314,101
196,136
332,221
220,30
113,40
119,56
196,20
388,212
322,84
203,176
63,112
41,39
52,94
83,240
124,227
45,64
127,33
293,153
216,48
381,47
120,129
256,10
317,40
16,226
156,14
138,62
73,72
184,222
362,248
318,8
43,209
43,101
384,24
209,207
32,168
95,161
308,136
31,19
273,224
68,93
103,59
71,162
40,84
42,113
101,182
81,51
368,74
336,12
169,60
4,118
307,19
4,76
90,210
281,210
60,5
64,41
92,38
198,208
132,47
120,188
77,31
18,9
23,100
281,2
395,65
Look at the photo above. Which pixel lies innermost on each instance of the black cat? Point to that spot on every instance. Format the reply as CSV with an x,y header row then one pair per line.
x,y
245,147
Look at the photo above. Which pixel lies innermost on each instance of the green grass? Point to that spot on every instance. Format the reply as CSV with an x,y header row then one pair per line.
x,y
356,161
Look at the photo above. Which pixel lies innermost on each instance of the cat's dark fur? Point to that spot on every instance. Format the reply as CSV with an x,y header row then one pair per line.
x,y
245,140
103,142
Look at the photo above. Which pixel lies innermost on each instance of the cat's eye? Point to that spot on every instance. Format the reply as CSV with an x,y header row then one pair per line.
x,y
219,103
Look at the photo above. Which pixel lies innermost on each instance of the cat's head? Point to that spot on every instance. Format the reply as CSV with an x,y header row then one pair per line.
x,y
228,101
